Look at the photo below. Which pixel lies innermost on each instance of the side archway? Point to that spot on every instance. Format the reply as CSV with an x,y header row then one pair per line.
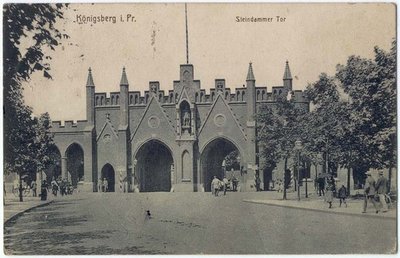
x,y
108,178
75,163
53,171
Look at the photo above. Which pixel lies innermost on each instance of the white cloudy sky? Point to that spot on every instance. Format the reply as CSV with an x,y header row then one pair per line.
x,y
314,38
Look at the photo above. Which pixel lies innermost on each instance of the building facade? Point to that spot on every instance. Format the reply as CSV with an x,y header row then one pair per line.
x,y
165,141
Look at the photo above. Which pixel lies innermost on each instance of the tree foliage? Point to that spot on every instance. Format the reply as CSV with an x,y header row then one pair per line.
x,y
35,24
355,129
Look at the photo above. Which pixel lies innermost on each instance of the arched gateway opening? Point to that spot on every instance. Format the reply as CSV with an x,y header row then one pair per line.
x,y
108,173
54,169
75,163
219,158
153,167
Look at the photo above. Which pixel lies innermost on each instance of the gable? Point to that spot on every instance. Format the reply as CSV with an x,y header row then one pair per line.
x,y
155,121
220,119
107,132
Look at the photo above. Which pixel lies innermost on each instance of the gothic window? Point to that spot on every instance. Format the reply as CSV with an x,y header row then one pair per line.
x,y
160,97
201,96
136,99
147,98
130,99
117,100
97,101
112,100
226,95
280,92
212,96
258,95
196,97
243,96
101,101
263,95
237,96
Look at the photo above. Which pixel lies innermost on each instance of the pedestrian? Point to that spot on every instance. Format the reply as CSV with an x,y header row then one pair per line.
x,y
100,185
321,185
215,184
330,188
342,196
369,193
258,182
382,189
54,187
225,183
234,183
43,191
105,185
63,186
34,188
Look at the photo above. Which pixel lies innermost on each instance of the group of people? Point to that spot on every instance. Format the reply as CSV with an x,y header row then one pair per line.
x,y
217,184
102,185
61,185
375,192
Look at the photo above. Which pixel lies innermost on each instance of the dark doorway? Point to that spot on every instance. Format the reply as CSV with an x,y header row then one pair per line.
x,y
54,169
154,162
216,160
75,163
107,172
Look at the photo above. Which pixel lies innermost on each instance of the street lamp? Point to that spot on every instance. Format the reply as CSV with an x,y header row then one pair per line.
x,y
298,147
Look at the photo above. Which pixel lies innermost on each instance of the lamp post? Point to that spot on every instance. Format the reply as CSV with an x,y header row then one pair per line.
x,y
298,146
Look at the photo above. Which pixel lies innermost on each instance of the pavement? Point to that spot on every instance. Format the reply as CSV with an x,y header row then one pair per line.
x,y
317,203
191,223
14,208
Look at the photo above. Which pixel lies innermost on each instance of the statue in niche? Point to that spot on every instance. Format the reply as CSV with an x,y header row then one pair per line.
x,y
186,118
186,123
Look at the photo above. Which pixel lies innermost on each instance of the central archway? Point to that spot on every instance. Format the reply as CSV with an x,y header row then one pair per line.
x,y
220,158
153,167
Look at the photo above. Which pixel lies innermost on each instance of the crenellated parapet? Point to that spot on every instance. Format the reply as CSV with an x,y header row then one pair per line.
x,y
69,126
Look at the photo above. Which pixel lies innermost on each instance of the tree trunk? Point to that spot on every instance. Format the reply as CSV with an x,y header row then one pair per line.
x,y
20,188
284,180
348,180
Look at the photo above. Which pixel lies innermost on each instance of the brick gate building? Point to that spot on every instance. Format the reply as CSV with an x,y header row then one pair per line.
x,y
163,141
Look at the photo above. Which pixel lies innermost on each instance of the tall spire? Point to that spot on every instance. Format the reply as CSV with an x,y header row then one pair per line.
x,y
287,75
250,75
124,79
187,36
90,82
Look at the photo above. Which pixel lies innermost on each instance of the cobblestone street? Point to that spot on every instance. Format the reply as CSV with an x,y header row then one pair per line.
x,y
190,223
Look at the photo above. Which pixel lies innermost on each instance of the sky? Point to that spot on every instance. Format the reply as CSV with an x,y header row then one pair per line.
x,y
314,38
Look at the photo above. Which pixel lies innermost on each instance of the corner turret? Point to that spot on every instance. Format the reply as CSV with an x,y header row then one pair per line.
x,y
287,78
90,90
124,91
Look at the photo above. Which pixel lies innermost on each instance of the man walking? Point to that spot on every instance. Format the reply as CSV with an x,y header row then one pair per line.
x,y
381,189
369,191
225,184
34,188
321,185
215,184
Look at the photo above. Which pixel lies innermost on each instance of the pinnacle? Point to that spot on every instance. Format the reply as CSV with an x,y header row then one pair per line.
x,y
124,79
90,82
287,75
250,74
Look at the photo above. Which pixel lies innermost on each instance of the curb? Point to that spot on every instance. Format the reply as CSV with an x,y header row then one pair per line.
x,y
323,211
18,214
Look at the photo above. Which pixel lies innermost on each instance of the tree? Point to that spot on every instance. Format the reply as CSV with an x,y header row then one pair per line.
x,y
35,22
277,132
371,86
